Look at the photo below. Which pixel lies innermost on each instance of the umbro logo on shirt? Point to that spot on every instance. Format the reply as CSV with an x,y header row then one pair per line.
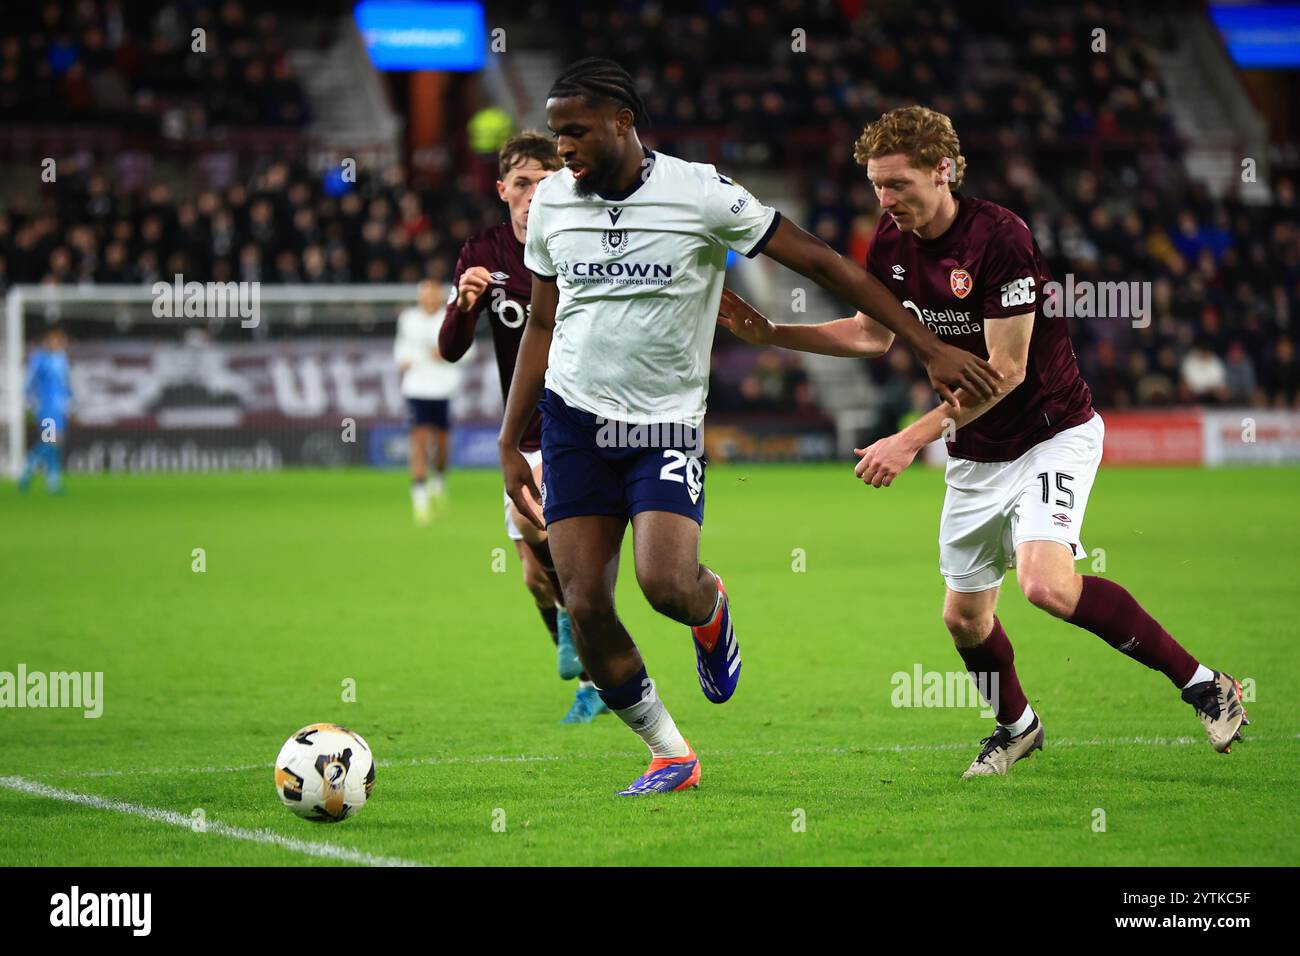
x,y
898,272
613,216
499,276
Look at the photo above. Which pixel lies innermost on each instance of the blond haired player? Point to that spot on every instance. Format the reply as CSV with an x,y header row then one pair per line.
x,y
1021,465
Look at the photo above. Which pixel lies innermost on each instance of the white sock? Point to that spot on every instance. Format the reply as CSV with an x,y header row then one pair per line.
x,y
438,485
650,721
1202,674
419,494
1021,725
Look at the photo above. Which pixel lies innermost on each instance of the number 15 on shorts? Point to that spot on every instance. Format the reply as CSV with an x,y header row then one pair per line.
x,y
1062,485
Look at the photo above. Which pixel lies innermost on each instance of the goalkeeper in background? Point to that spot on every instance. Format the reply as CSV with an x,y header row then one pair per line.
x,y
49,393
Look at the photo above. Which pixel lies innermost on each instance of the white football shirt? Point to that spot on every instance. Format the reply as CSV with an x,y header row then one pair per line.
x,y
417,337
640,279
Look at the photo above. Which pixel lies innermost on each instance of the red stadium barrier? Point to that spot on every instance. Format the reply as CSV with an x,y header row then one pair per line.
x,y
1154,438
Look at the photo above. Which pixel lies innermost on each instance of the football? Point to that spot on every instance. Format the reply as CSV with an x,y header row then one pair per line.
x,y
325,773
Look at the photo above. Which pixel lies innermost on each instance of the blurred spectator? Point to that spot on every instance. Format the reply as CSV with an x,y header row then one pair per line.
x,y
1203,376
1282,381
1109,380
1239,374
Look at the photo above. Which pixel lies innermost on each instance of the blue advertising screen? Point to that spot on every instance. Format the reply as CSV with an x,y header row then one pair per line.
x,y
1260,37
416,35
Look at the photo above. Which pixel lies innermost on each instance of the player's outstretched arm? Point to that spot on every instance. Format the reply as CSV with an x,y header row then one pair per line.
x,y
1007,341
857,336
525,390
948,366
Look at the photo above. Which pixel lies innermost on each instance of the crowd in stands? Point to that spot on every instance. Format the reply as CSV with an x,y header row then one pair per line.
x,y
146,66
1078,143
768,381
1075,138
282,226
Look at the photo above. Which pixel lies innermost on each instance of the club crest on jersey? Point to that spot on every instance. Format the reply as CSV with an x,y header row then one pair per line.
x,y
961,283
614,241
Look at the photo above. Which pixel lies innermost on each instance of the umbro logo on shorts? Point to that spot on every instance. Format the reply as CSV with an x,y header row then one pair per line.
x,y
499,276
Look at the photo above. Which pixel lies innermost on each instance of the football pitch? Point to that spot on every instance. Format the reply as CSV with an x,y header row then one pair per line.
x,y
315,586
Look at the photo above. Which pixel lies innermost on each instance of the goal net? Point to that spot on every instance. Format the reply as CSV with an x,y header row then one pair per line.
x,y
229,377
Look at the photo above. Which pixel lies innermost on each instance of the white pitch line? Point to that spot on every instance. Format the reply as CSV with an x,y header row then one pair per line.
x,y
172,818
552,758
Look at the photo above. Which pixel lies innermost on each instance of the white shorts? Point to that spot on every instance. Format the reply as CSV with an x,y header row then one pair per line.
x,y
534,458
991,508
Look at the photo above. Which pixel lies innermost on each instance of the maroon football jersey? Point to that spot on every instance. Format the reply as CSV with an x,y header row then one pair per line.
x,y
986,266
506,302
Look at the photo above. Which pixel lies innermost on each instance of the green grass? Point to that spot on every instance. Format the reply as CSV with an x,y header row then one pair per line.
x,y
316,577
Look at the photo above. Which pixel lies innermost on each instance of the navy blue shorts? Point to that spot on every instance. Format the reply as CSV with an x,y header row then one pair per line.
x,y
592,466
428,411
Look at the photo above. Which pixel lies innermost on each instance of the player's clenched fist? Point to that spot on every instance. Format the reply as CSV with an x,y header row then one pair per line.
x,y
743,320
473,283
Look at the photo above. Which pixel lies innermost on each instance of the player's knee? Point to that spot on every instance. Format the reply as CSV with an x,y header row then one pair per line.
x,y
967,628
667,593
1045,593
592,610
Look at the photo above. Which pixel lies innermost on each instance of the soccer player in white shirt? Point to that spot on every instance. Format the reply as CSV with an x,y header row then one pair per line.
x,y
427,385
628,251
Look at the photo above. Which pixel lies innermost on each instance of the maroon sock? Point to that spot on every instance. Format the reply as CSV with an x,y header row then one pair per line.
x,y
552,618
1112,614
996,656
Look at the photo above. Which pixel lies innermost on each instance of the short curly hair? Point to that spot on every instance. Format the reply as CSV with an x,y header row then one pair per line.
x,y
530,144
924,135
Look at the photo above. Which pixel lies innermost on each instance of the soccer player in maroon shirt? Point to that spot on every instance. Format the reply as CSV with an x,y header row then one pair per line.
x,y
1020,465
491,278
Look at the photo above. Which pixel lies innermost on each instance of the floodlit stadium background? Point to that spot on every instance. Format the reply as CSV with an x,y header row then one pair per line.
x,y
258,142
235,554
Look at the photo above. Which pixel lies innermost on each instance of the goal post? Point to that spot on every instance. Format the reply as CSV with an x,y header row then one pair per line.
x,y
11,386
229,377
